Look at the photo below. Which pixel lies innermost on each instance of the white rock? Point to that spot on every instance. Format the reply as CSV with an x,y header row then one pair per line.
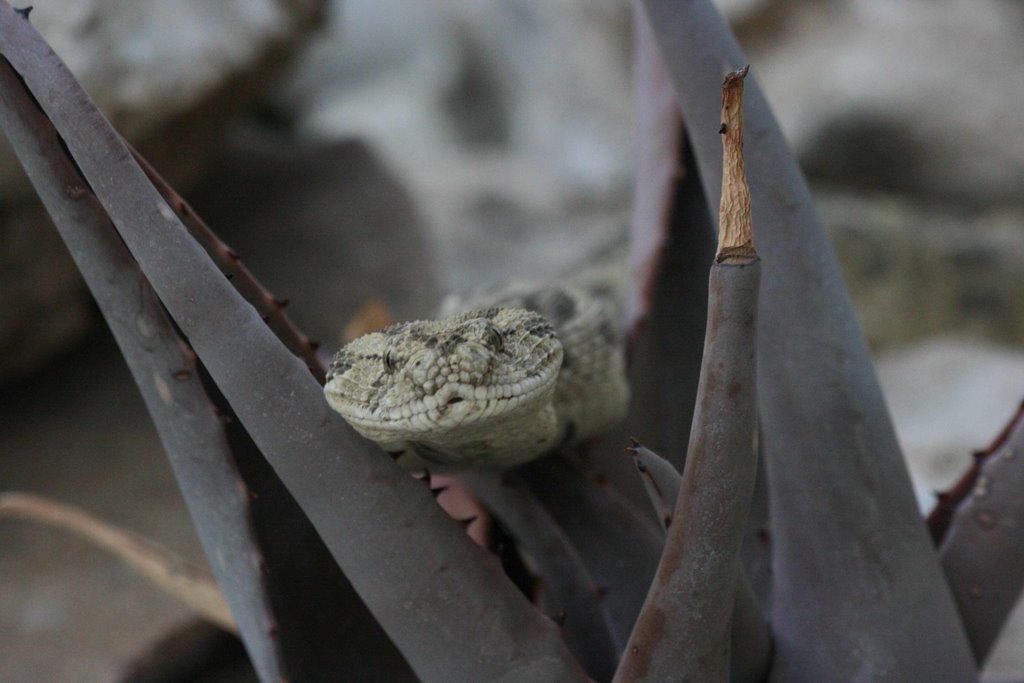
x,y
907,94
949,396
148,62
429,80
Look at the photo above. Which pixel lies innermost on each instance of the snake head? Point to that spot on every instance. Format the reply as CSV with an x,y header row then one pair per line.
x,y
472,387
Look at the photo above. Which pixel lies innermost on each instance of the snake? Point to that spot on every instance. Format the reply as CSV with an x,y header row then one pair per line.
x,y
497,380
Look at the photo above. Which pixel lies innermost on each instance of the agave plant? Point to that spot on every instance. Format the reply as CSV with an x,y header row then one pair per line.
x,y
336,564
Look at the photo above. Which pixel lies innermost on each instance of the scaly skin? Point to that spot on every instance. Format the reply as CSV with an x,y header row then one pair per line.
x,y
493,388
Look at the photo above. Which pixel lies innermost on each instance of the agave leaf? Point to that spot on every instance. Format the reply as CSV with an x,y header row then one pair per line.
x,y
413,567
684,628
750,642
665,353
844,521
163,367
673,241
238,514
941,516
269,306
983,550
619,547
587,626
665,348
661,481
757,546
307,596
659,170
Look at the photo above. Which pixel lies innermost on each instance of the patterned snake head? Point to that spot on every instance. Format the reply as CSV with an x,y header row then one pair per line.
x,y
476,388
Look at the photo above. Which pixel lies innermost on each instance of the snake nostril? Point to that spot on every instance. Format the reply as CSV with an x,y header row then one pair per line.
x,y
454,399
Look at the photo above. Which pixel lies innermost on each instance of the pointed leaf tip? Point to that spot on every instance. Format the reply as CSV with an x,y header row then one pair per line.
x,y
735,77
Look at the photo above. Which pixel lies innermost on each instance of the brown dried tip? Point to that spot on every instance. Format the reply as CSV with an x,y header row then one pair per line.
x,y
735,231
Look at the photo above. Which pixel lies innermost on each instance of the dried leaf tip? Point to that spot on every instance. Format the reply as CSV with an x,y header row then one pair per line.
x,y
735,231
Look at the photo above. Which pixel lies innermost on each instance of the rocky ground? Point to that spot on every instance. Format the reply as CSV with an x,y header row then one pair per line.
x,y
431,138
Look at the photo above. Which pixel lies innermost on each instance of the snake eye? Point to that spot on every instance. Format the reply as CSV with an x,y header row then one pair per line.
x,y
494,338
389,361
420,365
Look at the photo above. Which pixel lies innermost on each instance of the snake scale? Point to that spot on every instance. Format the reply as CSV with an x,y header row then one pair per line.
x,y
516,374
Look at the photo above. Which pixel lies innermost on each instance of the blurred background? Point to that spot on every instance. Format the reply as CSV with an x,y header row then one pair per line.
x,y
395,150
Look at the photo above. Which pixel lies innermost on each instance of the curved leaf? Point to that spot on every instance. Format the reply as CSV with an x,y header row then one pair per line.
x,y
858,593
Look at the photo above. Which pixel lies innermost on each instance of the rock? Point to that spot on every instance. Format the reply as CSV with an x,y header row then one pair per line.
x,y
739,9
179,70
517,113
44,306
170,77
905,95
917,268
325,226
